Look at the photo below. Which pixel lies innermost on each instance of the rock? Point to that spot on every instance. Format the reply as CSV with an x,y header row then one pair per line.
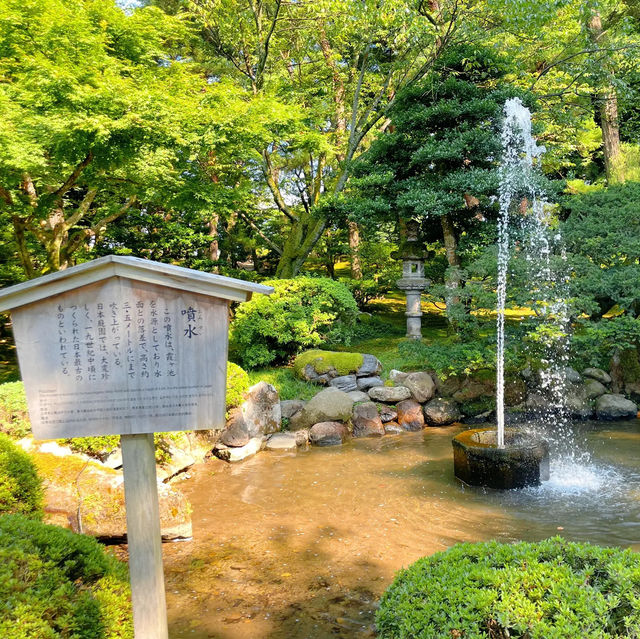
x,y
593,388
449,385
228,454
577,403
302,437
345,383
114,460
261,410
365,383
389,394
515,391
328,405
536,402
421,385
410,415
440,412
615,407
281,441
328,434
289,407
309,374
185,449
88,497
571,375
481,418
598,374
482,384
371,366
387,413
236,433
397,377
358,396
393,428
366,421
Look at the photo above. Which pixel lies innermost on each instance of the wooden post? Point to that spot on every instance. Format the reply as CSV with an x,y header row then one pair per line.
x,y
144,537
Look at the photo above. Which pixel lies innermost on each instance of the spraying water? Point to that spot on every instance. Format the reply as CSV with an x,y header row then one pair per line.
x,y
517,190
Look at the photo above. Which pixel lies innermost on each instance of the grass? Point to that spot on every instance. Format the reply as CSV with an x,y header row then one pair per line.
x,y
284,379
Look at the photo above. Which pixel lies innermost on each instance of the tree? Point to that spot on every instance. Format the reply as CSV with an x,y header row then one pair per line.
x,y
437,162
101,114
343,63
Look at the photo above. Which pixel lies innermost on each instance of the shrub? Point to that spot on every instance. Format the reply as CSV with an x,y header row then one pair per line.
x,y
56,584
14,418
237,384
547,590
302,312
20,485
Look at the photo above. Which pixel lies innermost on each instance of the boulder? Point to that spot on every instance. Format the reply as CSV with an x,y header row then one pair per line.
x,y
397,377
289,407
328,434
410,415
302,437
329,405
593,388
365,383
536,402
441,411
393,428
387,413
612,406
229,454
236,433
515,391
421,385
366,421
449,385
185,449
577,403
598,374
87,497
571,375
358,396
370,367
345,383
281,441
261,410
389,394
482,384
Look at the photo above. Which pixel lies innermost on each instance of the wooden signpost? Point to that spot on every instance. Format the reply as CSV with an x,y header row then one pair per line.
x,y
129,347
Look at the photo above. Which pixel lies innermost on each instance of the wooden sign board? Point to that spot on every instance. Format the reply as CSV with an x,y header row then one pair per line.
x,y
129,347
122,357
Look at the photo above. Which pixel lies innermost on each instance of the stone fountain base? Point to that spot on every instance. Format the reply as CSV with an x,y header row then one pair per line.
x,y
477,461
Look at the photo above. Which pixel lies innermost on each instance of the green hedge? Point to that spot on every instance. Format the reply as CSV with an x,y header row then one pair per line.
x,y
302,313
55,584
553,589
14,418
20,485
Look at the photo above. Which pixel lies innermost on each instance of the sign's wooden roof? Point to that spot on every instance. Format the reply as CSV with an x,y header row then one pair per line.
x,y
133,268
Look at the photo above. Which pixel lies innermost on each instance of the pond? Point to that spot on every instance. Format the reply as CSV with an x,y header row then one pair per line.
x,y
302,545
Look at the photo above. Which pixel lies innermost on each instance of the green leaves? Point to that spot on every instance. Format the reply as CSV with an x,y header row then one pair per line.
x,y
553,589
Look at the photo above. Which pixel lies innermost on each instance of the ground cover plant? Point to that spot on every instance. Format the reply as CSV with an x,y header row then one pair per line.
x,y
55,584
20,487
552,589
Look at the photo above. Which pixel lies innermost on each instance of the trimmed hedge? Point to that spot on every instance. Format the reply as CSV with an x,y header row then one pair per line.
x,y
301,313
55,584
553,589
20,486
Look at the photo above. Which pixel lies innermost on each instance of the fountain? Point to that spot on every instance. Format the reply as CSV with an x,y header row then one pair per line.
x,y
504,458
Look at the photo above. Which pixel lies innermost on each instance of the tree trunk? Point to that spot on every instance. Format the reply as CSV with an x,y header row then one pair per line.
x,y
354,245
606,101
305,233
452,278
214,245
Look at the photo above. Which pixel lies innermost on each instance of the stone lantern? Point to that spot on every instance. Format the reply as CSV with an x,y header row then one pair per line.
x,y
412,281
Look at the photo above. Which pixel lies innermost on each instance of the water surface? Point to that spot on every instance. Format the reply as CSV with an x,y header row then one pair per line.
x,y
301,545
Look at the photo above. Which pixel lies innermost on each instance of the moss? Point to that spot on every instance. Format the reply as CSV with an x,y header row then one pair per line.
x,y
630,366
478,406
324,361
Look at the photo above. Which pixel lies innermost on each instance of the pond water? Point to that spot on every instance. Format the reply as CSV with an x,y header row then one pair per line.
x,y
301,545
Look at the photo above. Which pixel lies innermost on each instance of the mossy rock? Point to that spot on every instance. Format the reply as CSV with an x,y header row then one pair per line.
x,y
321,366
88,497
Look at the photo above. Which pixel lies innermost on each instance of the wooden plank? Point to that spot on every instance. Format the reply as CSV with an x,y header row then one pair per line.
x,y
167,275
122,357
144,537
